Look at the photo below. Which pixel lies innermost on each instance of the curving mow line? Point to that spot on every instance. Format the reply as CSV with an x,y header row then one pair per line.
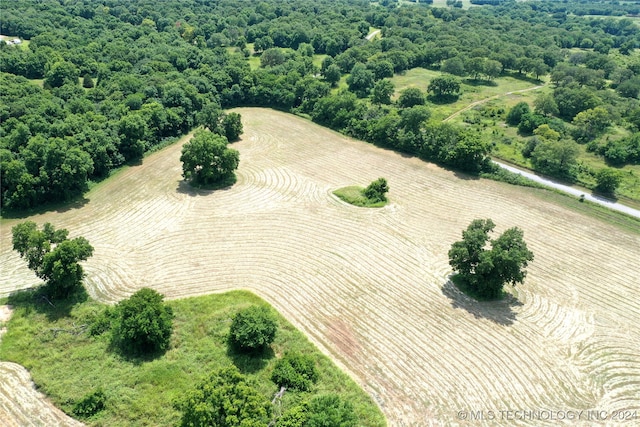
x,y
369,286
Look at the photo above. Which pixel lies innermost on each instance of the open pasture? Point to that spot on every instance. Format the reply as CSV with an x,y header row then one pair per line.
x,y
369,286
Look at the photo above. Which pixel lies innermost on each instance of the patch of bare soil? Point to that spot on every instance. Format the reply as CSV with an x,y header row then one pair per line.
x,y
370,286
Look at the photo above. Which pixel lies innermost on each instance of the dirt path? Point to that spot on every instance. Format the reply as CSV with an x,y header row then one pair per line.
x,y
571,190
369,286
482,101
371,35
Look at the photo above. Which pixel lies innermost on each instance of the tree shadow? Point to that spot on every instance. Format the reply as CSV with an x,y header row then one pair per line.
x,y
442,99
466,176
499,311
607,198
38,300
190,189
60,207
480,82
252,362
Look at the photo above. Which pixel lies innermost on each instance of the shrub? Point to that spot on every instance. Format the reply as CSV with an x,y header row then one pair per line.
x,y
90,405
376,191
225,399
143,324
295,371
253,329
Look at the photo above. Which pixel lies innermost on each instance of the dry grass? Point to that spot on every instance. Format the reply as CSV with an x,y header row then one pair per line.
x,y
369,286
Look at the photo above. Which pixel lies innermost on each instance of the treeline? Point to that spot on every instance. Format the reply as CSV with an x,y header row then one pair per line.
x,y
118,78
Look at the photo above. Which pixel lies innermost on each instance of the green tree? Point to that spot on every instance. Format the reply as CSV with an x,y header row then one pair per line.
x,y
232,126
382,92
295,371
253,329
360,80
444,86
556,158
607,181
453,66
52,256
591,123
332,74
225,399
515,114
410,97
546,105
330,410
143,324
377,190
484,272
87,82
206,158
60,73
132,129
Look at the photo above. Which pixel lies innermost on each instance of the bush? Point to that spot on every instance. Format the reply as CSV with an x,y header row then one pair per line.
x,y
90,405
143,324
295,371
225,399
102,322
331,410
253,329
376,191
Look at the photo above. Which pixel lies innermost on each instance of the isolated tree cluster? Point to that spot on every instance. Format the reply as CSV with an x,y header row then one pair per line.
x,y
207,160
52,256
377,190
484,271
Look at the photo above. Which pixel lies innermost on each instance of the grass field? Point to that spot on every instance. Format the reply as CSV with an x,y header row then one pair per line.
x,y
471,91
370,287
144,392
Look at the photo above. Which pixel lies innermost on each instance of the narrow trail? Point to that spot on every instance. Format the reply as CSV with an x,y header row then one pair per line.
x,y
572,190
482,101
372,35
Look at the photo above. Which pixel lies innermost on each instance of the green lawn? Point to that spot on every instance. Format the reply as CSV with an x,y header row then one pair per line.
x,y
67,364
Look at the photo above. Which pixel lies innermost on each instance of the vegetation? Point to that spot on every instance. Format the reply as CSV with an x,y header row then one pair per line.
x,y
373,196
484,272
149,76
225,399
66,362
253,329
142,324
52,256
206,159
295,371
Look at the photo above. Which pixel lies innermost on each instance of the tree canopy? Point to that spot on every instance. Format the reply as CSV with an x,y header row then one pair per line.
x,y
484,272
52,256
253,329
142,324
206,159
225,399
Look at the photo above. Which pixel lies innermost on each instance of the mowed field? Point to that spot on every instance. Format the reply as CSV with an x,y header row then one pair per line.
x,y
369,286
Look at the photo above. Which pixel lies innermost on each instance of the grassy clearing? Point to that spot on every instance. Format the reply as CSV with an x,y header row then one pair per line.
x,y
354,195
67,364
471,91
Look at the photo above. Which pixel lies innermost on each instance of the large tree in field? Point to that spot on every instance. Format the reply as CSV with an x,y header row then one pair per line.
x,y
52,256
484,272
206,158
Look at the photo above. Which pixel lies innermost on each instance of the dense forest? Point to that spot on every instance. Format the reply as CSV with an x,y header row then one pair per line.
x,y
96,84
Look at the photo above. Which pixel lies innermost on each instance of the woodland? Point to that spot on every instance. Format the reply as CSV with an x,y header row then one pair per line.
x,y
96,84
